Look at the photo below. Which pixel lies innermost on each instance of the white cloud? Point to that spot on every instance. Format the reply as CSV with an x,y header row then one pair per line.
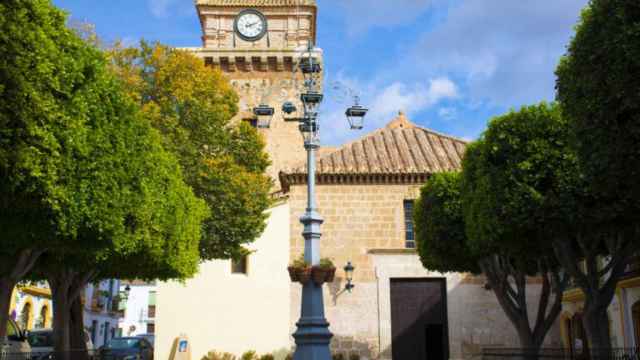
x,y
165,8
503,51
411,98
447,113
360,15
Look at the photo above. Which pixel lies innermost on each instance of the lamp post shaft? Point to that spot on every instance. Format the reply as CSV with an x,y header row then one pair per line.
x,y
312,336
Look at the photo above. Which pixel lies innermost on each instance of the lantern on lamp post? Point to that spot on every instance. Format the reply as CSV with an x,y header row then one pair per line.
x,y
355,115
264,114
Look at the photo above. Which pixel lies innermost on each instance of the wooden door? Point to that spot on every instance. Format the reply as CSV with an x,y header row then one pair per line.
x,y
419,322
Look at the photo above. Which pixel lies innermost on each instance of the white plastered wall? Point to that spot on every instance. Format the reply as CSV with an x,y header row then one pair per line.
x,y
221,311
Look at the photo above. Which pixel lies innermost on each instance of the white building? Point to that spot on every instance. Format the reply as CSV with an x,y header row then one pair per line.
x,y
139,308
32,307
101,311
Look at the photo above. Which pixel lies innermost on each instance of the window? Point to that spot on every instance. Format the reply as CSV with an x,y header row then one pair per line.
x,y
151,311
151,328
239,266
409,238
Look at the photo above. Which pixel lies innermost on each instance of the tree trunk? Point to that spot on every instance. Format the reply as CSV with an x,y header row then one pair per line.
x,y
596,282
61,317
514,302
76,330
66,288
6,290
596,325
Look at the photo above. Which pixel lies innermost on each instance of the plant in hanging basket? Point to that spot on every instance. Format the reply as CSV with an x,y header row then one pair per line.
x,y
299,270
324,272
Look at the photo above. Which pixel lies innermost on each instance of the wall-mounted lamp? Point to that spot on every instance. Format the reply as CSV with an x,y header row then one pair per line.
x,y
348,270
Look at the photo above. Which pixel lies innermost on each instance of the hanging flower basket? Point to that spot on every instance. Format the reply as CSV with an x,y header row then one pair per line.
x,y
293,274
323,274
331,275
304,274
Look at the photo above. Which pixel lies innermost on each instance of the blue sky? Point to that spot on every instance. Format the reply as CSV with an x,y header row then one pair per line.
x,y
449,64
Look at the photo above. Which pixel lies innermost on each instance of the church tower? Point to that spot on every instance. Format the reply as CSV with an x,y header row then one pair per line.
x,y
256,44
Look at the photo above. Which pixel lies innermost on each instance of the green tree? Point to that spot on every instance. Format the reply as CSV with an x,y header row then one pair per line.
x,y
496,218
597,86
443,246
512,180
192,106
38,74
85,179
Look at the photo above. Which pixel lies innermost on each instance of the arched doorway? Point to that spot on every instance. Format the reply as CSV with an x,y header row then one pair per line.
x,y
25,316
635,310
44,313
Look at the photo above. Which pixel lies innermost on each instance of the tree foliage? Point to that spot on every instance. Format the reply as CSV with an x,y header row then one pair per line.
x,y
440,231
487,218
597,85
513,179
192,106
84,178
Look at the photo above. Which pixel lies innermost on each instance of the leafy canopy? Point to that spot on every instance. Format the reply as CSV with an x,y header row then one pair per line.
x,y
440,232
88,176
192,106
513,181
597,86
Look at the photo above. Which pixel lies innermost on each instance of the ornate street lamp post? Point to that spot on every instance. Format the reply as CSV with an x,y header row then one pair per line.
x,y
312,335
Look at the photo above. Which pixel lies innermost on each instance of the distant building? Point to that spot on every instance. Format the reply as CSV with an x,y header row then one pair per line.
x,y
139,308
32,308
624,314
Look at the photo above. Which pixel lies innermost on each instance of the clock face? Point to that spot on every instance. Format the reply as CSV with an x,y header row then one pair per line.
x,y
251,25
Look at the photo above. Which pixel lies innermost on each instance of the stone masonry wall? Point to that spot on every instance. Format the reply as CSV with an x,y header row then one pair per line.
x,y
361,218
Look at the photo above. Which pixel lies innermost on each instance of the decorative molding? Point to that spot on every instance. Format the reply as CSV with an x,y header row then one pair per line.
x,y
349,179
629,283
36,291
573,295
257,3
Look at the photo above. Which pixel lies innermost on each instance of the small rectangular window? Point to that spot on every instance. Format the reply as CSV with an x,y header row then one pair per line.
x,y
239,266
409,238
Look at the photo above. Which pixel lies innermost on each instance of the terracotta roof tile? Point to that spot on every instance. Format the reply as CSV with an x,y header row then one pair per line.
x,y
399,148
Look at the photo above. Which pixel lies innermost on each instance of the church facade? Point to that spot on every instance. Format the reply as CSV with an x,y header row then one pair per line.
x,y
365,193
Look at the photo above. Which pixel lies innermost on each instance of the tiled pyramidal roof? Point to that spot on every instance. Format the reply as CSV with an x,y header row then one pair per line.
x,y
401,148
251,3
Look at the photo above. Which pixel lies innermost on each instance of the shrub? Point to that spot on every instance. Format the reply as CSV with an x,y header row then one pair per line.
x,y
267,357
326,263
354,357
249,355
337,356
289,357
214,355
300,262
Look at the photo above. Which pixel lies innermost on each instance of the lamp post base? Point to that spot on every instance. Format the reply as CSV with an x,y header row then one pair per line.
x,y
313,337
